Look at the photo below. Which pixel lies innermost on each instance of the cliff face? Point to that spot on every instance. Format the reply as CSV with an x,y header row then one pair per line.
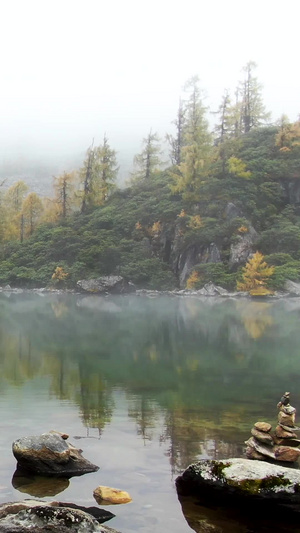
x,y
183,256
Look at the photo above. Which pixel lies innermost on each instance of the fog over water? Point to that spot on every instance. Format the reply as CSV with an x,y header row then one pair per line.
x,y
72,71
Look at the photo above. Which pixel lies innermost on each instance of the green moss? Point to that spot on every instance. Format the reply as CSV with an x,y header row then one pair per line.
x,y
254,486
217,469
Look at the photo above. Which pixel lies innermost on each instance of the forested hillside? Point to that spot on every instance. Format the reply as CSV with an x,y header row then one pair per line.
x,y
224,195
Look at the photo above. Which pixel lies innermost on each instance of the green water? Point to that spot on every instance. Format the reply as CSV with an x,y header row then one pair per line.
x,y
144,386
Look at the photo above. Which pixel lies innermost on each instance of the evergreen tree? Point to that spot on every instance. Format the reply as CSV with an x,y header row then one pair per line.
x,y
64,194
13,200
148,162
225,126
87,178
107,169
197,142
225,131
32,209
253,112
176,141
98,175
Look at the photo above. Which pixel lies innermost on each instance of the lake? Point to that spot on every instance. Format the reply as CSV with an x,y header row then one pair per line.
x,y
144,386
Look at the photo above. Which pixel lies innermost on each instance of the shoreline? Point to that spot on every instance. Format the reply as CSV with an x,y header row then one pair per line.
x,y
214,292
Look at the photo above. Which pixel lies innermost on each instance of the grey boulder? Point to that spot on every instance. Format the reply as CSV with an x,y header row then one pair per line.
x,y
50,454
106,284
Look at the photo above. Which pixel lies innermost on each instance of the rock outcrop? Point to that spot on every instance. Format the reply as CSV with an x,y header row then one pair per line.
x,y
106,285
243,248
195,254
292,288
242,478
50,454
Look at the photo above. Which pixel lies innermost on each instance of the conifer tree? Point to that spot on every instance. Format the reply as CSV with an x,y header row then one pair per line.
x,y
253,112
13,200
107,169
255,276
225,131
197,142
32,209
86,178
64,194
149,161
176,141
98,175
14,196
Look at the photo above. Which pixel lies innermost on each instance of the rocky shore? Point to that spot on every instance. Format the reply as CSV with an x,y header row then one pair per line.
x,y
107,285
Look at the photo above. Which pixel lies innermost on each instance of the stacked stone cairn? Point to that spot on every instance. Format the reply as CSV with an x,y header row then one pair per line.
x,y
280,445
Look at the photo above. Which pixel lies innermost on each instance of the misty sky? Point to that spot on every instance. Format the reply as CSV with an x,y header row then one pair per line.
x,y
74,69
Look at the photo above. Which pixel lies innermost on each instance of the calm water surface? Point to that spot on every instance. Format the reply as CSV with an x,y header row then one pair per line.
x,y
144,386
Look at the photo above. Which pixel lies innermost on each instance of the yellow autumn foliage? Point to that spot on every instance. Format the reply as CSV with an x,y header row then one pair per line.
x,y
156,228
237,168
195,222
59,274
255,275
192,280
243,229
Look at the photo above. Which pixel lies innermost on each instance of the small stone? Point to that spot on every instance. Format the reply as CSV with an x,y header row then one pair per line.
x,y
284,434
287,454
288,409
286,419
266,451
263,426
286,442
262,437
251,453
108,495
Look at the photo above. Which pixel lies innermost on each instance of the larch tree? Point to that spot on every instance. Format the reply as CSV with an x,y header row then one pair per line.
x,y
197,142
98,175
225,131
107,169
64,194
149,161
176,141
13,200
253,112
288,136
32,209
14,196
256,274
86,179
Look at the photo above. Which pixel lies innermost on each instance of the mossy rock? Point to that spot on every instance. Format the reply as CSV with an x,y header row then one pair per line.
x,y
241,478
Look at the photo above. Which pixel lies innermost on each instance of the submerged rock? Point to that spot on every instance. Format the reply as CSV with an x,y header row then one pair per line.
x,y
54,517
50,454
242,478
